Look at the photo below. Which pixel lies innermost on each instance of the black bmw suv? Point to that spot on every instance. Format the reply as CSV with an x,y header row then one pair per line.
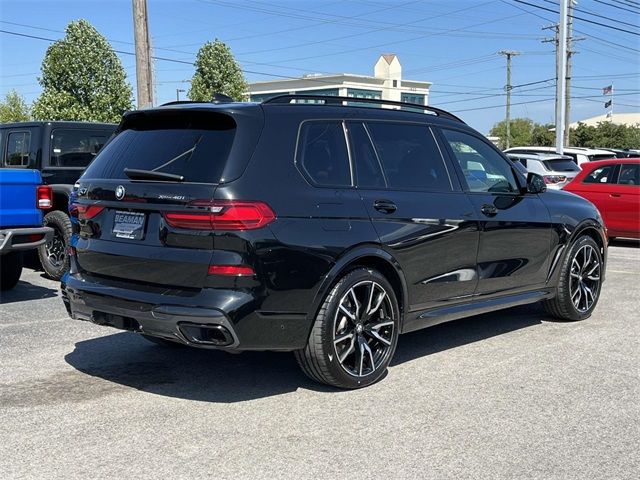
x,y
319,226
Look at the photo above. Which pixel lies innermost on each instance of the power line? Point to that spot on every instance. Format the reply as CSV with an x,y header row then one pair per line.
x,y
579,18
616,6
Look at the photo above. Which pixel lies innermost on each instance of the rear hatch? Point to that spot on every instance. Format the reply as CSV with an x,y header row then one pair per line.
x,y
163,164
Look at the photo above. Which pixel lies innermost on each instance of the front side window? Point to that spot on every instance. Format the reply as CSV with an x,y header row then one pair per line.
x,y
600,175
76,148
484,169
410,156
18,146
368,169
322,154
629,174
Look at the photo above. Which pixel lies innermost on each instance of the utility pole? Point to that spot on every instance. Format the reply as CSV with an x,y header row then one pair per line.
x,y
508,87
562,77
143,54
567,90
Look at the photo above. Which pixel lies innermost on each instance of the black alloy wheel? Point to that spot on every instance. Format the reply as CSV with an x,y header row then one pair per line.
x,y
355,332
580,281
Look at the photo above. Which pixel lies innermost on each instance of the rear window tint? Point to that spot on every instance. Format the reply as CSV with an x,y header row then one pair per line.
x,y
76,147
194,145
322,154
410,156
629,174
561,165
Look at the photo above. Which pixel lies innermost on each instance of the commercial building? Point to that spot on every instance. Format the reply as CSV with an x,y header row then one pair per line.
x,y
629,119
385,84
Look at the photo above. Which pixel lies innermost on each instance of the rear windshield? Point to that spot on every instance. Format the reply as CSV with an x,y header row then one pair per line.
x,y
76,147
561,165
195,145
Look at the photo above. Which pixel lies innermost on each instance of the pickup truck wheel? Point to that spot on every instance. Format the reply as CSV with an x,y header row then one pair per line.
x,y
10,270
53,254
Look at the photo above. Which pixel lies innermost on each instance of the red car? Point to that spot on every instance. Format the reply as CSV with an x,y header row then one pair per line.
x,y
614,187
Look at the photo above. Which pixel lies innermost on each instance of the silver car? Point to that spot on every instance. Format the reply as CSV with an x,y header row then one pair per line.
x,y
557,170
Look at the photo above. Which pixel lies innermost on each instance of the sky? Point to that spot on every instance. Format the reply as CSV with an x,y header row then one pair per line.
x,y
452,44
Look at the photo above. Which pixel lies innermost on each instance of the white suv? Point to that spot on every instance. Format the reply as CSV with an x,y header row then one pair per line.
x,y
580,155
557,170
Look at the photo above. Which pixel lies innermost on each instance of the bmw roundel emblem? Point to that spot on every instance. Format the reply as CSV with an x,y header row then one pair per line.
x,y
120,192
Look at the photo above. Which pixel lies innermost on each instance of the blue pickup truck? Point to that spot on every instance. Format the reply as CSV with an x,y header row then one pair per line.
x,y
22,200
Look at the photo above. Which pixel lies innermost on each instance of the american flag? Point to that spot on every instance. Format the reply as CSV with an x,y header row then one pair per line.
x,y
607,104
607,90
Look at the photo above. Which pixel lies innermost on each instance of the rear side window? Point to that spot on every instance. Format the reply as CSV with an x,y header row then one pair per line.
x,y
322,154
629,174
18,147
561,165
75,147
195,145
600,175
368,169
409,156
601,156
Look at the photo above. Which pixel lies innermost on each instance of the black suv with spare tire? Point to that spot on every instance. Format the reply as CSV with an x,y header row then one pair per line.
x,y
318,225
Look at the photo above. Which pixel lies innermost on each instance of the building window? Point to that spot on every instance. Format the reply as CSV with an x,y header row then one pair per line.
x,y
261,97
360,93
412,98
395,84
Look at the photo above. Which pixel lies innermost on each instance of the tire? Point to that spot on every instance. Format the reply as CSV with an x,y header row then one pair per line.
x,y
54,257
369,334
161,341
10,270
573,302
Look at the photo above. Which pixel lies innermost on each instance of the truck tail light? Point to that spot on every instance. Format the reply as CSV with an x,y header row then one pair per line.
x,y
222,215
44,197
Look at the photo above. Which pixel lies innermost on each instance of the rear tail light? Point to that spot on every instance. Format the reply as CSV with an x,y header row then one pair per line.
x,y
84,212
231,270
553,179
44,197
223,215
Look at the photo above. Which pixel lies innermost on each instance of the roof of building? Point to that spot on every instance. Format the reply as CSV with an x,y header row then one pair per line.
x,y
389,57
617,118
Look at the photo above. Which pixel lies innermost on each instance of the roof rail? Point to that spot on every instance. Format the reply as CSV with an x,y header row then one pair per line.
x,y
217,98
288,99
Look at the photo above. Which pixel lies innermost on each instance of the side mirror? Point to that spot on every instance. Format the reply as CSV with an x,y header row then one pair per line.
x,y
535,183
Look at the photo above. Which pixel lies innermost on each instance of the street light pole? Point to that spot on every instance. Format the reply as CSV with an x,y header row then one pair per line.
x,y
178,90
562,77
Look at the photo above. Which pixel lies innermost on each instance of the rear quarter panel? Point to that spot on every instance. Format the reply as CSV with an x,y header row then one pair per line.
x,y
18,198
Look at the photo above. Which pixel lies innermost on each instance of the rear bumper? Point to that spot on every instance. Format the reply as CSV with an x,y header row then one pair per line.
x,y
17,239
208,318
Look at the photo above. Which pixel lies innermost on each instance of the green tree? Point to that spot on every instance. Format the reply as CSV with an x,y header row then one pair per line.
x,y
83,79
543,135
216,72
520,128
606,135
13,108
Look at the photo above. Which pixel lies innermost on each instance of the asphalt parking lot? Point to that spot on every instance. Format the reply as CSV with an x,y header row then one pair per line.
x,y
505,395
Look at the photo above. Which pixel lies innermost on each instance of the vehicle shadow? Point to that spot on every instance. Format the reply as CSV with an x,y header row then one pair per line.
x,y
215,376
26,291
625,242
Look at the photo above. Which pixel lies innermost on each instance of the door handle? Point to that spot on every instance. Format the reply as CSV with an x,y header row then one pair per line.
x,y
615,195
385,206
489,210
